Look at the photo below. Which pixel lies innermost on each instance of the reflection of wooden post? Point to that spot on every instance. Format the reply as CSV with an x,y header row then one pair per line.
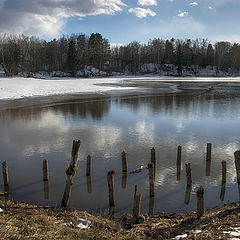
x,y
45,170
223,188
5,174
124,179
70,172
136,205
187,194
209,150
179,155
237,164
208,168
124,162
188,174
153,156
110,178
153,160
151,179
224,171
89,184
88,169
46,190
200,202
178,172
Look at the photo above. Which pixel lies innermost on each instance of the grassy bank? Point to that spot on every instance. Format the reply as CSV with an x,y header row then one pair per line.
x,y
22,221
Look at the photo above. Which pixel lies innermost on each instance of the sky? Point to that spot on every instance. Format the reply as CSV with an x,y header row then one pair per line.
x,y
122,21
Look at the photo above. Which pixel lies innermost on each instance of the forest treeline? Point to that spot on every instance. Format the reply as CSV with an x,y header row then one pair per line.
x,y
19,53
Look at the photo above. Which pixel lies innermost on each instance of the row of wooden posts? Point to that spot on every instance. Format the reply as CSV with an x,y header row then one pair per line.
x,y
72,168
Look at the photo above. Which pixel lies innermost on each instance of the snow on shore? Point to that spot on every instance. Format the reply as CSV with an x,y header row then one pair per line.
x,y
18,87
15,88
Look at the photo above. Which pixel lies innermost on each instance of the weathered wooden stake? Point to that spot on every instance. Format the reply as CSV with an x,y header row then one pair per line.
x,y
208,168
124,179
5,174
88,169
151,179
200,202
224,171
178,172
89,184
223,189
45,170
209,151
110,178
187,194
136,205
188,174
179,155
111,212
237,164
151,205
46,190
124,162
70,172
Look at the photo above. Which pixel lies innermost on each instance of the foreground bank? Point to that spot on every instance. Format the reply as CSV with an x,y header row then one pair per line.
x,y
22,221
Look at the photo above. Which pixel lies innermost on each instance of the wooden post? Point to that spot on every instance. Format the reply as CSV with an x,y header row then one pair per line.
x,y
208,168
237,164
136,205
5,174
188,174
46,190
200,202
124,179
151,179
70,172
187,194
178,172
223,189
153,156
179,155
45,170
124,162
224,171
89,184
88,169
111,212
209,151
151,206
110,178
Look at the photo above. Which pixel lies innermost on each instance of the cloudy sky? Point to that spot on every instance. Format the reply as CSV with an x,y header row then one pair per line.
x,y
122,21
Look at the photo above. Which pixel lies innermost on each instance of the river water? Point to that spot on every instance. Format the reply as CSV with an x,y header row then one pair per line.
x,y
134,123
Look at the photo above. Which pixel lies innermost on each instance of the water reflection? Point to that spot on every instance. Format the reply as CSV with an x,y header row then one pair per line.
x,y
108,125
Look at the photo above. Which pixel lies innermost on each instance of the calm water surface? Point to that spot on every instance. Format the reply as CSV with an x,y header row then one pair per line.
x,y
107,125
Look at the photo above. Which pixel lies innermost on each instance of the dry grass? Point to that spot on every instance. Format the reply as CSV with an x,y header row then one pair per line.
x,y
22,221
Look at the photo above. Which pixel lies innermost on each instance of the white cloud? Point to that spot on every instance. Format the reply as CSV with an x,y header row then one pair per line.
x,y
142,12
182,14
47,17
147,2
193,4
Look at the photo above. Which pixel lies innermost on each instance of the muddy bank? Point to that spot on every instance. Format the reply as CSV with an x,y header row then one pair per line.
x,y
22,221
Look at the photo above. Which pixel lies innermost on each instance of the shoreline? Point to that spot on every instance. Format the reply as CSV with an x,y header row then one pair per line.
x,y
20,221
17,88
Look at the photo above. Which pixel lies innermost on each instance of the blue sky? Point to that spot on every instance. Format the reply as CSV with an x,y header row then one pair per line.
x,y
123,21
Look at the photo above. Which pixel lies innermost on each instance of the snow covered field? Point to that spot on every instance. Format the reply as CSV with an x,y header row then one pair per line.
x,y
16,88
